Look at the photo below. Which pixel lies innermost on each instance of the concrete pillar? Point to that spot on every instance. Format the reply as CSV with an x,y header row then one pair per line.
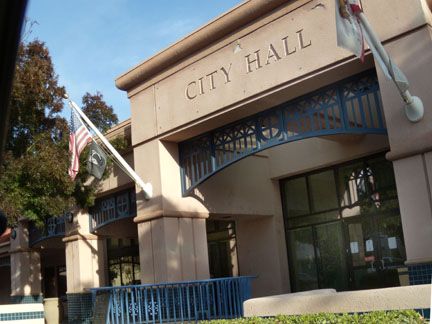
x,y
25,262
173,249
85,267
257,239
171,228
414,179
411,148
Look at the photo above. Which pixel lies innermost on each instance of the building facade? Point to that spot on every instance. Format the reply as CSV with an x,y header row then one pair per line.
x,y
271,152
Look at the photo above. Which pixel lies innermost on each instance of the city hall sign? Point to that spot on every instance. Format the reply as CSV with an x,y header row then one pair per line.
x,y
254,60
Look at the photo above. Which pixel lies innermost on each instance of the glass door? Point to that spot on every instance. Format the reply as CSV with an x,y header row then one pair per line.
x,y
318,257
376,251
222,248
331,252
343,227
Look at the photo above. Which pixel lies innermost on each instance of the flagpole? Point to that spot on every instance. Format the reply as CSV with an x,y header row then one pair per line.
x,y
414,109
146,187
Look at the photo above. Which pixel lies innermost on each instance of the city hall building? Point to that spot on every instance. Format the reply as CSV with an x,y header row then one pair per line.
x,y
272,153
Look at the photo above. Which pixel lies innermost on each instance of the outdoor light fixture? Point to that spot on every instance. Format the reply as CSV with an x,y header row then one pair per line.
x,y
13,234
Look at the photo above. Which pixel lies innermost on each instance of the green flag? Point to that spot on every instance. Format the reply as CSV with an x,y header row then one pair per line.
x,y
96,161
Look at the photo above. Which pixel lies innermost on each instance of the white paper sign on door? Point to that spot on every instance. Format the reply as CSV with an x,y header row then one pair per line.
x,y
354,247
392,243
369,246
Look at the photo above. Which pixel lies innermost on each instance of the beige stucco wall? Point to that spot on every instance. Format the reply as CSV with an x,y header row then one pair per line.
x,y
248,191
173,249
284,54
85,256
160,108
326,301
411,143
25,264
223,81
310,31
117,178
314,153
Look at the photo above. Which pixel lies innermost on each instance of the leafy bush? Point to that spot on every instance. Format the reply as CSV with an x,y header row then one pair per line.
x,y
388,317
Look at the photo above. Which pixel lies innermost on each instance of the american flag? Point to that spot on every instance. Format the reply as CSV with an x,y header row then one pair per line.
x,y
352,33
78,139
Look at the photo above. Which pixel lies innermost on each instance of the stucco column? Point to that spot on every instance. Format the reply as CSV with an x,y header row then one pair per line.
x,y
85,267
411,149
172,249
25,267
171,228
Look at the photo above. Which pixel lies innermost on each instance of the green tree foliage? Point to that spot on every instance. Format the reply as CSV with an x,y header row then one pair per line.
x,y
98,111
33,178
36,97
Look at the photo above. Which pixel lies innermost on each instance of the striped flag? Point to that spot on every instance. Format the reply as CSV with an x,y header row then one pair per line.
x,y
349,32
78,139
352,33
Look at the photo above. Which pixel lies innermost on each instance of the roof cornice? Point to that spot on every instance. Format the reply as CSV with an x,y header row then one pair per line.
x,y
204,36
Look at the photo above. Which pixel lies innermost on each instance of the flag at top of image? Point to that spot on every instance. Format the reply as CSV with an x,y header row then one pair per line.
x,y
78,139
349,32
352,33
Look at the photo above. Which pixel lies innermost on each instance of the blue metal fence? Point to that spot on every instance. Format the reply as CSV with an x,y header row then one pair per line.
x,y
352,106
172,302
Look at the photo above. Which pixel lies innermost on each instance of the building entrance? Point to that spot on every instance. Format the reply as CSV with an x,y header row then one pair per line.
x,y
222,248
343,227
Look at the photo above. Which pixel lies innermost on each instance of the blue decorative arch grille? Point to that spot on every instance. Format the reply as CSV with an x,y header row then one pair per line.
x,y
111,208
352,106
53,227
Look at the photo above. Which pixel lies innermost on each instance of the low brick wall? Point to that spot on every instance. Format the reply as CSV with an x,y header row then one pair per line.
x,y
407,297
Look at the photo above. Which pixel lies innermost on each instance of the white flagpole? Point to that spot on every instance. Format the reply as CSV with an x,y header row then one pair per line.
x,y
414,109
146,187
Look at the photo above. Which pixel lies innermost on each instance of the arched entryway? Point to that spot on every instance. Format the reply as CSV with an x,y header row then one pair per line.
x,y
352,106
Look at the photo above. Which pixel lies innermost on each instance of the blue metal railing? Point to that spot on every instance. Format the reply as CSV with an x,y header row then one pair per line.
x,y
53,227
172,302
352,106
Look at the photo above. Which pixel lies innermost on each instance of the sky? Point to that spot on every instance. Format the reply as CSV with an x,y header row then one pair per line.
x,y
92,42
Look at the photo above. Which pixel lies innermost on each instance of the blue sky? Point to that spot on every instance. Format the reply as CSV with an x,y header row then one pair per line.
x,y
94,41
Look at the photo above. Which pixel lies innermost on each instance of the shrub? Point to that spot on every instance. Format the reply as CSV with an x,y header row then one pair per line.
x,y
387,317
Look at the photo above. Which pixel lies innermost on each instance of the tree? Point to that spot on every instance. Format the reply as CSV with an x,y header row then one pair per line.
x,y
36,98
33,178
98,111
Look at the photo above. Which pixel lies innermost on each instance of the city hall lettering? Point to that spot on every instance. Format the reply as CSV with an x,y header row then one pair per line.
x,y
255,60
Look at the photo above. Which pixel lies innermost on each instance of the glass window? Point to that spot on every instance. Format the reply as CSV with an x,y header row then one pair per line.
x,y
343,227
123,262
123,205
313,219
385,184
348,185
323,191
303,263
296,197
222,248
333,267
118,205
108,206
